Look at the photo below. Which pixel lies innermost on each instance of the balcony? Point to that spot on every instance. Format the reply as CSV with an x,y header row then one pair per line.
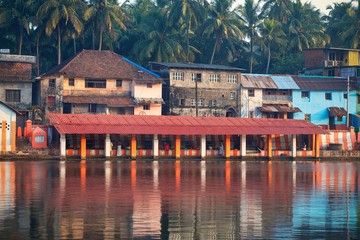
x,y
332,63
277,98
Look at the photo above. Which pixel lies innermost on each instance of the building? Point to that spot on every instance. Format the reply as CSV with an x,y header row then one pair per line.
x,y
16,83
325,101
339,62
100,82
7,127
193,89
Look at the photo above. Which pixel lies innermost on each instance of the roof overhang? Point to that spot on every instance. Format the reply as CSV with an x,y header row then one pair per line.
x,y
114,101
177,125
337,112
279,109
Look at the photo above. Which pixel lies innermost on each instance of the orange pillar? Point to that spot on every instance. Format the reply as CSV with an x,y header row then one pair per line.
x,y
227,146
3,136
269,145
13,136
83,146
19,132
133,147
317,146
28,125
313,144
177,146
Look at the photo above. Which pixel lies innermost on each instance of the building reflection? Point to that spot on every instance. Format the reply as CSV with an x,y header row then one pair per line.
x,y
173,200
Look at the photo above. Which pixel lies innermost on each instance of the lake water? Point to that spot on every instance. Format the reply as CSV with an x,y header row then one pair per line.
x,y
179,200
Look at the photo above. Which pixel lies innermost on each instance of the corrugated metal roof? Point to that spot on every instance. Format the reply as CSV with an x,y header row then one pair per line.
x,y
285,82
197,66
257,81
279,108
322,83
177,125
337,111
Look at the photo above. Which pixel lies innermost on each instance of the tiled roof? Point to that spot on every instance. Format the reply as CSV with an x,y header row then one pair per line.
x,y
102,64
177,125
109,101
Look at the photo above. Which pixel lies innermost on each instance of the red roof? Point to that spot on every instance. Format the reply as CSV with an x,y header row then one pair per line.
x,y
177,125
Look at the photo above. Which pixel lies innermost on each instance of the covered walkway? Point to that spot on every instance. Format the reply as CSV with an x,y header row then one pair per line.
x,y
179,127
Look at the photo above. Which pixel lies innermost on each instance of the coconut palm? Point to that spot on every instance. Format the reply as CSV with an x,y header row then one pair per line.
x,y
271,34
221,23
105,15
190,12
250,13
278,9
57,14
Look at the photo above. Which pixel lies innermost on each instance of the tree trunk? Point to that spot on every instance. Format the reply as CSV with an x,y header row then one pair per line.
x,y
37,57
251,50
100,40
59,45
74,41
215,45
268,61
93,36
187,41
20,40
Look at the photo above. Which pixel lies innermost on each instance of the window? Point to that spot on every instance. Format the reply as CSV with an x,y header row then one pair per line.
x,y
52,83
345,95
12,95
307,117
327,96
332,56
232,95
118,83
71,82
149,85
339,118
51,101
178,76
196,76
251,92
92,107
192,102
331,72
39,139
146,107
232,79
213,103
182,102
201,102
215,78
95,83
305,94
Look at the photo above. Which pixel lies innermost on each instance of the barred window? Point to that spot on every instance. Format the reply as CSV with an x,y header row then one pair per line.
x,y
232,79
12,95
232,95
214,77
192,102
178,76
213,103
95,83
201,102
196,76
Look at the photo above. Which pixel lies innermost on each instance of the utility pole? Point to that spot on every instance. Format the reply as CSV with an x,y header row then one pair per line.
x,y
196,97
347,103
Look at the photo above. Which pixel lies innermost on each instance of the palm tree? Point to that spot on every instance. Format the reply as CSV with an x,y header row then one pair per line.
x,y
278,9
105,15
271,33
57,14
250,13
16,13
191,12
222,23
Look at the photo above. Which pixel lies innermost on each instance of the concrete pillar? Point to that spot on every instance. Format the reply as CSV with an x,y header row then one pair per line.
x,y
13,136
83,146
317,146
227,146
133,147
108,146
177,146
3,136
62,145
269,145
203,147
156,146
293,146
243,146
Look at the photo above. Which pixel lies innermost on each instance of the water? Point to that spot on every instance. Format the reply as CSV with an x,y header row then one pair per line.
x,y
179,200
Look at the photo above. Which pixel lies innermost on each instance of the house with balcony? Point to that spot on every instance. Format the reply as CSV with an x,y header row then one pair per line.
x,y
193,89
100,82
326,101
267,96
333,62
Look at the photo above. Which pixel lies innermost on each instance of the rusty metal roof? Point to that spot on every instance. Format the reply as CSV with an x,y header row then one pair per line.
x,y
257,81
114,101
177,125
322,83
337,111
279,108
142,101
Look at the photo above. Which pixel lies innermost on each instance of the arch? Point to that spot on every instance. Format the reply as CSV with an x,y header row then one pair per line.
x,y
230,112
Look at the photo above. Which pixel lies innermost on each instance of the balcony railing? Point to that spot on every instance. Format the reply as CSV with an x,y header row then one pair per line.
x,y
277,97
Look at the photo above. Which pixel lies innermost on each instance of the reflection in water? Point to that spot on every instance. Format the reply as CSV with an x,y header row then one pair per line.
x,y
178,200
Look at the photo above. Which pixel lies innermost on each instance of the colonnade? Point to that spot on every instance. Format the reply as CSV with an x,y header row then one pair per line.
x,y
203,153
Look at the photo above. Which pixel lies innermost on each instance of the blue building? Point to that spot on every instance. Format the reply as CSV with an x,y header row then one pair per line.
x,y
324,100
